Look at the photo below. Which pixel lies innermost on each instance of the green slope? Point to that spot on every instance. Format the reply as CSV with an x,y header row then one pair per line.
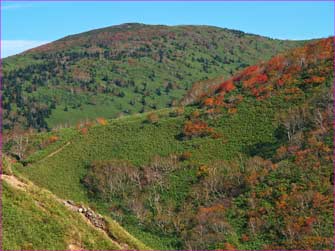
x,y
134,140
122,69
35,219
222,176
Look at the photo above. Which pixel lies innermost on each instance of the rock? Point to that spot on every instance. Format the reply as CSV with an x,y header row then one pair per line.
x,y
96,219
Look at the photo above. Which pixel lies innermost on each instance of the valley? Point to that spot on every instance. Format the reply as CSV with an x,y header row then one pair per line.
x,y
235,153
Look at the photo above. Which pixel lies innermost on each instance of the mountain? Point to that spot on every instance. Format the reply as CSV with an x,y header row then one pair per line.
x,y
119,70
246,164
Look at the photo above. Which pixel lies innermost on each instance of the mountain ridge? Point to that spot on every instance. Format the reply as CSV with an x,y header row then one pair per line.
x,y
143,25
122,71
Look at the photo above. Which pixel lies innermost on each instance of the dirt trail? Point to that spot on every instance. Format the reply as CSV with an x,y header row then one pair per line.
x,y
95,220
57,151
74,247
14,182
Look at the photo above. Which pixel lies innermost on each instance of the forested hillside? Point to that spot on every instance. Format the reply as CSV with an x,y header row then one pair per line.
x,y
246,164
120,70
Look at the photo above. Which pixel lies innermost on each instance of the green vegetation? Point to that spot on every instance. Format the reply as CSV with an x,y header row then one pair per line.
x,y
35,219
177,187
126,69
246,164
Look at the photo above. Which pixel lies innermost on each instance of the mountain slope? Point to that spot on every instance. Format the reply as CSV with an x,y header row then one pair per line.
x,y
35,219
247,166
122,69
292,73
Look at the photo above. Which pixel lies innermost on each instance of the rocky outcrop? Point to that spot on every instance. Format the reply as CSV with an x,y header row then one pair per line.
x,y
96,219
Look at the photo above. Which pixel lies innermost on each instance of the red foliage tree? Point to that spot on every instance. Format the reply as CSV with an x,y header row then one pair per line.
x,y
53,139
250,70
257,79
276,63
84,130
227,86
315,80
209,102
196,128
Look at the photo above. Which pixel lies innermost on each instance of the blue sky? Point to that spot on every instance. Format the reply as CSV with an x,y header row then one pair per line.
x,y
28,24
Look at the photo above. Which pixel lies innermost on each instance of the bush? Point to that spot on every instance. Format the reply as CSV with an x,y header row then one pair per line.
x,y
177,112
102,121
197,128
185,156
112,178
53,139
152,118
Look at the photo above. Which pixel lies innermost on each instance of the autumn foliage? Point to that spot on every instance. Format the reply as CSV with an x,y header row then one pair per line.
x,y
226,86
84,130
227,180
53,139
102,121
209,102
282,72
197,128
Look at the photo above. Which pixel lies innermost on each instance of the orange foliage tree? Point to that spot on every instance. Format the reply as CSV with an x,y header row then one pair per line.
x,y
53,139
102,121
196,128
227,86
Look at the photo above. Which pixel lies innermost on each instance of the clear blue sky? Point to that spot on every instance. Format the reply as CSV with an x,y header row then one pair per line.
x,y
28,24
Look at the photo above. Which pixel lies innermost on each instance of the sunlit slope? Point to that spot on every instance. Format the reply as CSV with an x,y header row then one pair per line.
x,y
35,219
247,166
124,69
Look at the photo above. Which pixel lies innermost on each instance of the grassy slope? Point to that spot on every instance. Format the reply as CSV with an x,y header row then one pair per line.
x,y
124,137
34,219
191,53
131,138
